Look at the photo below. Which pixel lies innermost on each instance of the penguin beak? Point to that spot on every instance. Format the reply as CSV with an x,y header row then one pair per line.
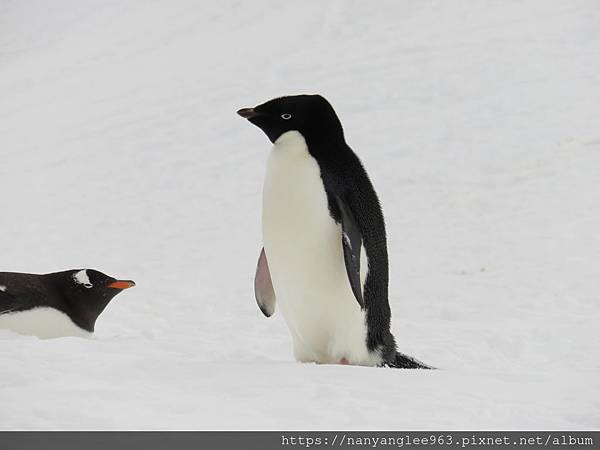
x,y
247,113
121,284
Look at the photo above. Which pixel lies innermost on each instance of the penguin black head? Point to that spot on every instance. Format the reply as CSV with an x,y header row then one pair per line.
x,y
310,115
87,292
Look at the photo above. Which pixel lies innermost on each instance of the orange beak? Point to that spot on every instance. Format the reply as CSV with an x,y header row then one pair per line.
x,y
121,284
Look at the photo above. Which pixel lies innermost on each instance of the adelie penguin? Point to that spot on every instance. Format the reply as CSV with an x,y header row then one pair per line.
x,y
57,304
324,260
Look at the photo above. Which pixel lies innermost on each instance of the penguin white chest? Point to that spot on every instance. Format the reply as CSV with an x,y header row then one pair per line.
x,y
43,322
305,255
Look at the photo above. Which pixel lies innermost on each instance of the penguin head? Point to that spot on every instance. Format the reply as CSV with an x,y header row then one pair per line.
x,y
310,115
88,292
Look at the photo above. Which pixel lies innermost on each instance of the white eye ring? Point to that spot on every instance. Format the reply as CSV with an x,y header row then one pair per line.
x,y
88,285
286,116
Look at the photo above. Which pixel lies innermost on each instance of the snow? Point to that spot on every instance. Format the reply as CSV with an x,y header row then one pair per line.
x,y
121,150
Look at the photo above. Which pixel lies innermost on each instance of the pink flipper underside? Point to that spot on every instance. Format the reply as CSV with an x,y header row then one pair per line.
x,y
263,286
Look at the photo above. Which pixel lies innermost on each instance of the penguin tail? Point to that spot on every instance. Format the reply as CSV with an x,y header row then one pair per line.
x,y
402,361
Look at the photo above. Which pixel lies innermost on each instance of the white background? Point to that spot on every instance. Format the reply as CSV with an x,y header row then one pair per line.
x,y
479,123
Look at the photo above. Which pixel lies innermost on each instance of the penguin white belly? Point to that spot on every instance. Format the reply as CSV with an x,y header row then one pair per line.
x,y
305,256
43,322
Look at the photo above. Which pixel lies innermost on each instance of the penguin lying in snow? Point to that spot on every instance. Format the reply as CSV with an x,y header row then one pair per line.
x,y
325,258
56,304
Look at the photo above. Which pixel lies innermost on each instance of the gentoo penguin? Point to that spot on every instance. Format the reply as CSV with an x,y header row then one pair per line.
x,y
324,259
56,304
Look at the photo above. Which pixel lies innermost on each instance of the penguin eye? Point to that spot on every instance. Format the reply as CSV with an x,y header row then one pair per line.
x,y
88,285
286,116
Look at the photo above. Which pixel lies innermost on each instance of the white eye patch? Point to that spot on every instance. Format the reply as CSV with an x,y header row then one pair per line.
x,y
286,116
82,277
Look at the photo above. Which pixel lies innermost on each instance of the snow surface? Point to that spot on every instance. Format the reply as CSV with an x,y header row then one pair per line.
x,y
479,123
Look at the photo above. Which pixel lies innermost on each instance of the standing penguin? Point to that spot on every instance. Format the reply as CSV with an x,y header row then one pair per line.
x,y
325,254
56,304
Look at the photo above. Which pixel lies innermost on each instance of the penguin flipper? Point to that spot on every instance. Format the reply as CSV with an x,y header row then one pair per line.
x,y
352,244
263,286
8,303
